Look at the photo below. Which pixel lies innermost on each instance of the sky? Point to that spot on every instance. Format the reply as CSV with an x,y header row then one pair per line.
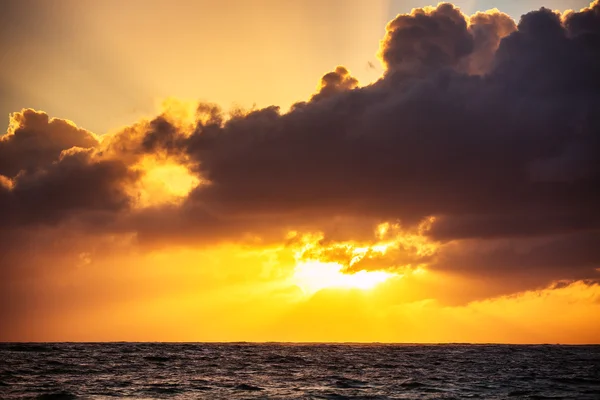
x,y
353,171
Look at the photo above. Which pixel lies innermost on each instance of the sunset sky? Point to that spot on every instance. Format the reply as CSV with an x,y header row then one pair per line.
x,y
344,170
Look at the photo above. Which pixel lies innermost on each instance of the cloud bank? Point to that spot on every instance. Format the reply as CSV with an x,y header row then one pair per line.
x,y
485,129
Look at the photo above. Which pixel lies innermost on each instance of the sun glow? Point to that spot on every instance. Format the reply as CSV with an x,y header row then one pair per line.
x,y
359,265
312,276
164,182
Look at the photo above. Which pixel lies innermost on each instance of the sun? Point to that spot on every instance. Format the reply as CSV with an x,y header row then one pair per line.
x,y
312,276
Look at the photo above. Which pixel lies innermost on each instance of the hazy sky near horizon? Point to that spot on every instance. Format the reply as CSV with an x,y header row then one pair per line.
x,y
431,175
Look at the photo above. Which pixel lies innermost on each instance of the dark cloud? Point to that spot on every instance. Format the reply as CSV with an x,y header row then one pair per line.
x,y
73,184
491,128
426,40
511,154
335,82
523,264
512,225
487,30
585,22
49,172
34,140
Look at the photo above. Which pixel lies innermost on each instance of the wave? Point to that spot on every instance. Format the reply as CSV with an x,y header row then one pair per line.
x,y
249,388
157,358
62,395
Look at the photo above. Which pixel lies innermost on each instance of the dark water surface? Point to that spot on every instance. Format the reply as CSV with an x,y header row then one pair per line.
x,y
285,371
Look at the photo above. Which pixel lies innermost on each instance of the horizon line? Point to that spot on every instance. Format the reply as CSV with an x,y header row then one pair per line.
x,y
307,343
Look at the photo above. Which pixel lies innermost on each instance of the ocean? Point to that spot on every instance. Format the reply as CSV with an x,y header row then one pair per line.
x,y
297,371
